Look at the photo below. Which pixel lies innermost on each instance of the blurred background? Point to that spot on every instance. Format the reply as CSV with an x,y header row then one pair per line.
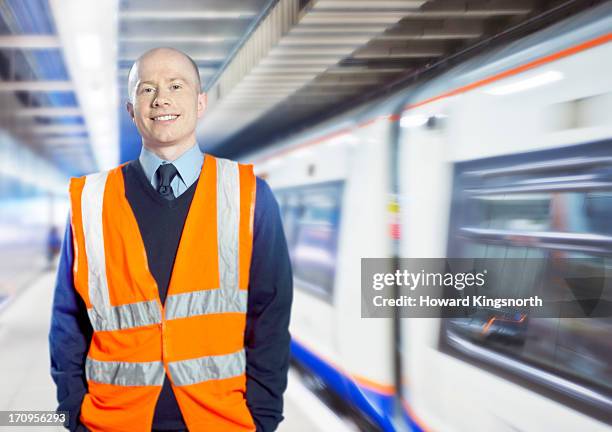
x,y
386,128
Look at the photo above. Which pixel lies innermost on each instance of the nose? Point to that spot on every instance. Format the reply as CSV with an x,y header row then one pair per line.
x,y
161,99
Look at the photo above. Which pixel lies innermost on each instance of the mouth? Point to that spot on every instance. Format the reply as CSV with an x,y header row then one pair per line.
x,y
166,118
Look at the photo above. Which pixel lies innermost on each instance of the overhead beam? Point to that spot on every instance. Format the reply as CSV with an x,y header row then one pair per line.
x,y
204,71
42,86
290,61
173,14
78,142
350,69
443,34
29,42
327,93
278,78
266,88
369,4
272,69
197,58
305,39
195,38
331,50
397,52
447,9
56,129
343,83
442,9
342,29
42,112
434,29
352,17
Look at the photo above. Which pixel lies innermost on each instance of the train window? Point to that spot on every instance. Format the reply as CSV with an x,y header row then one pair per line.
x,y
311,220
291,213
510,212
598,208
551,206
578,212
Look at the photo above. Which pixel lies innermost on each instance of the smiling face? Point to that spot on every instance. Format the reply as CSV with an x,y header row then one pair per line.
x,y
166,102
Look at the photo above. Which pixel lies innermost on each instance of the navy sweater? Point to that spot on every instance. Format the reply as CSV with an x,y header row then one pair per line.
x,y
160,223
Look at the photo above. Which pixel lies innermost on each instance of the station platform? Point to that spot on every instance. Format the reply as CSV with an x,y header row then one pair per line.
x,y
26,382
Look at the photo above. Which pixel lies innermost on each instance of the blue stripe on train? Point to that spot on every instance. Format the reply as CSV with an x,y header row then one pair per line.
x,y
377,406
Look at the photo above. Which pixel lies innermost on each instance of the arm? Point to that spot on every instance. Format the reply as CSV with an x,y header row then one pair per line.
x,y
267,330
69,338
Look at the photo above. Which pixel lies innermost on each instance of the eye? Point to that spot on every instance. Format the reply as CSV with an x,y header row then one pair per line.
x,y
176,86
148,90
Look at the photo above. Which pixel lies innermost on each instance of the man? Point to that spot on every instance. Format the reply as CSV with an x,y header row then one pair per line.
x,y
174,288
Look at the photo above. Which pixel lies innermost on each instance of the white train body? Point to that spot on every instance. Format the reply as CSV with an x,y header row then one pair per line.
x,y
547,97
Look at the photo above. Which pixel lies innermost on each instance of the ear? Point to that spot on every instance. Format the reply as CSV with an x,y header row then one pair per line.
x,y
202,102
130,109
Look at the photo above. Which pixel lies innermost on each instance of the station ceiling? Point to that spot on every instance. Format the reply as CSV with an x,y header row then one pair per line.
x,y
269,66
333,54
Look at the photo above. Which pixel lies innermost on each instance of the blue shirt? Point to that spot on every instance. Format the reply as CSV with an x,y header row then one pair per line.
x,y
268,312
188,166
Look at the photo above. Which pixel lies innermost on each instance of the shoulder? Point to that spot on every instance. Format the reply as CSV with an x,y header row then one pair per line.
x,y
266,206
99,177
101,174
263,193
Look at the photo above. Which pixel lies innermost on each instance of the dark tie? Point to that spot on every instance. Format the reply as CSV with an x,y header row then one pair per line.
x,y
165,174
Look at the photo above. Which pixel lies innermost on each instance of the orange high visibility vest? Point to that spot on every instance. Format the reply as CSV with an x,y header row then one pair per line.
x,y
197,337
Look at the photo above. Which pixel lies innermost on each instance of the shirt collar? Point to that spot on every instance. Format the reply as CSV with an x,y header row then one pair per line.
x,y
188,165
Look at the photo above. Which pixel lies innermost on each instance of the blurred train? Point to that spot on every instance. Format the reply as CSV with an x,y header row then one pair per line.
x,y
508,154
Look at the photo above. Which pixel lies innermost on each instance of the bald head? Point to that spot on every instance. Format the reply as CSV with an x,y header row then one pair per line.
x,y
157,56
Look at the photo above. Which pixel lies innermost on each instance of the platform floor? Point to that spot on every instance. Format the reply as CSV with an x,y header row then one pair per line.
x,y
25,382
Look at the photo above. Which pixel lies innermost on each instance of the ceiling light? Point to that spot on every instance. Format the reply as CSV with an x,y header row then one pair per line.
x,y
89,50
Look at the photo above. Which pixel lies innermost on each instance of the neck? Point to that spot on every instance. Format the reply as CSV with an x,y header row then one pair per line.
x,y
172,152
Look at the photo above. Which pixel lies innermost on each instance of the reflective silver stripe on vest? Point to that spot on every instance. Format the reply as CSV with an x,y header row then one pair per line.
x,y
125,316
228,222
201,369
125,373
205,302
91,210
228,298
